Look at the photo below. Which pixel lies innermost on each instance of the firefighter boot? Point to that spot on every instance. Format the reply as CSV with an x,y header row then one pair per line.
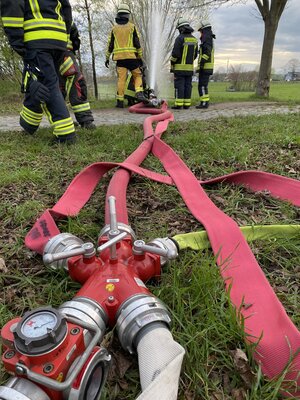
x,y
88,125
120,104
64,139
131,102
203,104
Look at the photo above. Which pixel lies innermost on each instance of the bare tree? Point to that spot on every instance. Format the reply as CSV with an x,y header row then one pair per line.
x,y
144,14
89,9
292,65
271,11
10,63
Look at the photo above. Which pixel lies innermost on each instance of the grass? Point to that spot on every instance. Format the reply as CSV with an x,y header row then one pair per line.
x,y
284,92
33,176
280,91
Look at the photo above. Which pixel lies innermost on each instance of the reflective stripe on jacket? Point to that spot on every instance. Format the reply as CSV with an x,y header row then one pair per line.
x,y
36,23
184,53
206,52
124,42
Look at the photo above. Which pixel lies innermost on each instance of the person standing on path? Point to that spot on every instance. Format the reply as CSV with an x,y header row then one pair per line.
x,y
182,64
205,62
73,84
37,30
124,45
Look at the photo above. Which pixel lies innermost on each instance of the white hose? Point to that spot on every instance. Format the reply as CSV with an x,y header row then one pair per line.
x,y
160,359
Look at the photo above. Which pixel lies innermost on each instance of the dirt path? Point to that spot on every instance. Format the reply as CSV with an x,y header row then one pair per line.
x,y
122,116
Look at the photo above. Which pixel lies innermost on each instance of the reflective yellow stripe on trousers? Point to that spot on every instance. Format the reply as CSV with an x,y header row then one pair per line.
x,y
63,127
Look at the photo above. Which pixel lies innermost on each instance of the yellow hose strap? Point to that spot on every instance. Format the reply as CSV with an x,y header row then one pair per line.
x,y
199,240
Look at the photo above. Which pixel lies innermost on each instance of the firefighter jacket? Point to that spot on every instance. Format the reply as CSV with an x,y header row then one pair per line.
x,y
184,53
206,52
124,42
74,39
41,24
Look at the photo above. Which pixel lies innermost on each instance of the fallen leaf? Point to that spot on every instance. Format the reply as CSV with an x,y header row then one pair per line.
x,y
122,363
241,364
3,267
238,394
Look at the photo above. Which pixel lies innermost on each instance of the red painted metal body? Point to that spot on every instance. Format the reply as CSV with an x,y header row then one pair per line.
x,y
108,282
58,361
111,282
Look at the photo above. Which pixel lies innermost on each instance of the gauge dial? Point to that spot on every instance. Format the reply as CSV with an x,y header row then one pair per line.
x,y
40,331
39,324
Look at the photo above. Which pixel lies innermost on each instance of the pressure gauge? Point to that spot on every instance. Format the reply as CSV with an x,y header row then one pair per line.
x,y
40,331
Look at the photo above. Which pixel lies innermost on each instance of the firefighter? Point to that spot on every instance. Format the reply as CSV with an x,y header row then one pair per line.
x,y
73,84
129,93
124,45
182,64
205,62
37,30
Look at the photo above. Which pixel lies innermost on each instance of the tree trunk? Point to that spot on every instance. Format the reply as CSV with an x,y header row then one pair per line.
x,y
92,50
271,11
264,75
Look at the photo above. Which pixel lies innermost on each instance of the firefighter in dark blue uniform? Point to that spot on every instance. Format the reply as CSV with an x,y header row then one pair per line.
x,y
205,62
182,64
37,30
73,84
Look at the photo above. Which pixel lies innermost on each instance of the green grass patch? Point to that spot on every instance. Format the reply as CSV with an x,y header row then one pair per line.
x,y
34,175
283,92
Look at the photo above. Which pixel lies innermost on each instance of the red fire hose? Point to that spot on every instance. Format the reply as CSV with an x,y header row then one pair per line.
x,y
264,317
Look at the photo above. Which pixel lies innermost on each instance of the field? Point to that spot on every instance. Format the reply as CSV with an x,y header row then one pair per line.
x,y
286,92
34,175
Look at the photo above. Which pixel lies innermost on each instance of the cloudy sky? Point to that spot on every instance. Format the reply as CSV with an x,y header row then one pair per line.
x,y
239,32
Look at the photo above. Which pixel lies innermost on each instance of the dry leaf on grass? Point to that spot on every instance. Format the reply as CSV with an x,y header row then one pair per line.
x,y
242,366
3,267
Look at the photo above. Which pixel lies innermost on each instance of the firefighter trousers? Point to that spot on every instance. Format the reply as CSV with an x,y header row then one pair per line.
x,y
73,87
48,62
122,71
203,86
183,90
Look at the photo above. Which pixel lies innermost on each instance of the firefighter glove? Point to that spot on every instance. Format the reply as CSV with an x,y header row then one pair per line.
x,y
38,91
107,63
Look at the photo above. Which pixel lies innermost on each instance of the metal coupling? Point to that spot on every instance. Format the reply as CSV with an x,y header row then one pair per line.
x,y
92,379
22,389
61,243
86,310
168,245
136,313
120,227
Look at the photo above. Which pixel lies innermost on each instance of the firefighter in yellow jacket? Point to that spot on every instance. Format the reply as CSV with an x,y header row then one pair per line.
x,y
37,30
124,45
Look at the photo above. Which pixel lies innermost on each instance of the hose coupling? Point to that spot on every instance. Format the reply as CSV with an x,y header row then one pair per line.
x,y
136,313
61,243
167,244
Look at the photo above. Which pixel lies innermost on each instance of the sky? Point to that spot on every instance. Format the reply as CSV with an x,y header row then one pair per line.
x,y
239,32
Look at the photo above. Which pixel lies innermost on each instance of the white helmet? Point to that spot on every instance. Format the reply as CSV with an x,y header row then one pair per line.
x,y
204,24
182,22
123,9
